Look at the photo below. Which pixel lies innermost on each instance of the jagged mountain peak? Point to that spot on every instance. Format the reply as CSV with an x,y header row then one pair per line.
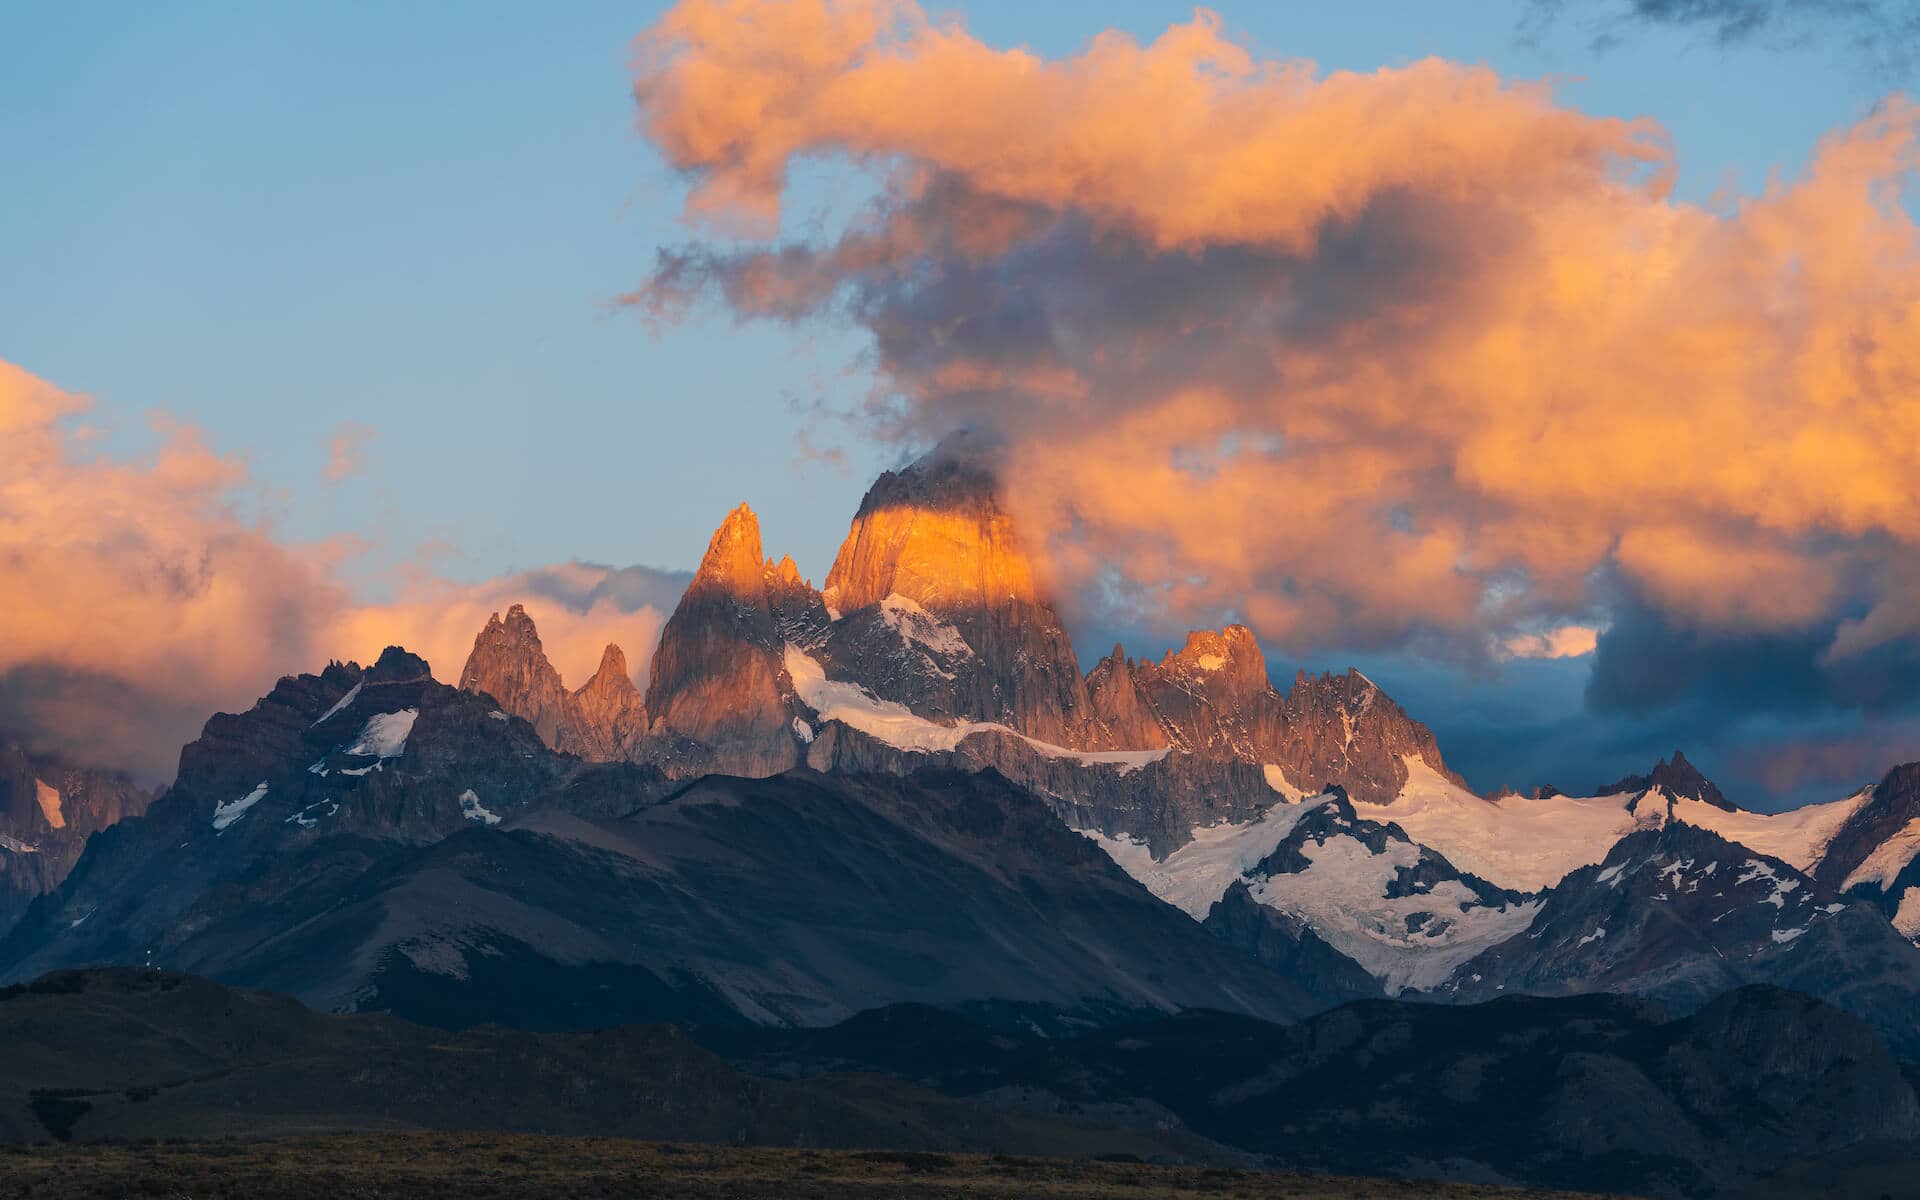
x,y
957,474
604,720
718,697
934,535
611,672
733,561
397,664
1676,777
509,663
1226,659
785,573
1350,689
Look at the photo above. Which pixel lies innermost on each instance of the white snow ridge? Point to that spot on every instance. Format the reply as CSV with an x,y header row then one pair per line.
x,y
385,734
900,727
226,814
473,810
345,700
916,625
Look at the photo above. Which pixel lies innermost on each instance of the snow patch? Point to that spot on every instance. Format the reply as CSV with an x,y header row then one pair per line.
x,y
1128,761
226,814
16,846
1782,936
802,730
902,728
49,798
384,735
1610,876
345,700
497,715
1798,837
1200,872
857,708
1595,936
1888,859
1210,662
1278,781
1906,918
1342,896
306,822
915,625
473,810
1755,869
1514,842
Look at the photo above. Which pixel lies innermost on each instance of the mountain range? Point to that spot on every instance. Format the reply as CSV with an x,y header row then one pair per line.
x,y
899,788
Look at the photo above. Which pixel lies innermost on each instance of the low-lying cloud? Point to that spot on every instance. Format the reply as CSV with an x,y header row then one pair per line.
x,y
1415,357
139,599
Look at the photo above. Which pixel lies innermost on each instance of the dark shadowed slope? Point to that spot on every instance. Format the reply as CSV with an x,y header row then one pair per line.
x,y
373,839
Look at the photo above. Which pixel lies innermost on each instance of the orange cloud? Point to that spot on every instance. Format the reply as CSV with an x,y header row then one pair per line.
x,y
1567,641
1362,357
438,620
139,600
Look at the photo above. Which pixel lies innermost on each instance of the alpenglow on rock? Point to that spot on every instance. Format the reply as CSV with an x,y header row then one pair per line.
x,y
718,693
935,643
604,721
932,541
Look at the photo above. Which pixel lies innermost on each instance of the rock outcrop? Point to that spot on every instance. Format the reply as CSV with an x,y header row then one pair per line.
x,y
934,571
718,695
611,709
605,721
1676,777
1681,915
48,810
1213,699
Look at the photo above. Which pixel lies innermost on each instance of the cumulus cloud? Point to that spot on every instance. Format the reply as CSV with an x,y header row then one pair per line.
x,y
578,607
139,599
1415,356
346,451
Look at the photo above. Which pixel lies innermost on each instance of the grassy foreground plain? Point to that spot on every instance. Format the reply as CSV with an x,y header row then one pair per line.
x,y
365,1166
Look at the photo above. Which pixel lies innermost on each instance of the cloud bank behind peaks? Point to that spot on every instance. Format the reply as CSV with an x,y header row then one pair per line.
x,y
137,600
1412,356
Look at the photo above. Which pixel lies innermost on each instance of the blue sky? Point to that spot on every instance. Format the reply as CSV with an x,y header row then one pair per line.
x,y
269,219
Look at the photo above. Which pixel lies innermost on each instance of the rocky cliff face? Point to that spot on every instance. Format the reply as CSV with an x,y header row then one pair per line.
x,y
611,709
1212,699
1680,914
933,642
48,810
1875,855
602,722
718,694
934,569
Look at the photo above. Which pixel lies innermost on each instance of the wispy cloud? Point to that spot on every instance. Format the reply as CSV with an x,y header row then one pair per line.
x,y
1885,33
347,451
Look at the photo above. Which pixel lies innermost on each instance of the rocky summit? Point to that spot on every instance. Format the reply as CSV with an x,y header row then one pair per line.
x,y
604,721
